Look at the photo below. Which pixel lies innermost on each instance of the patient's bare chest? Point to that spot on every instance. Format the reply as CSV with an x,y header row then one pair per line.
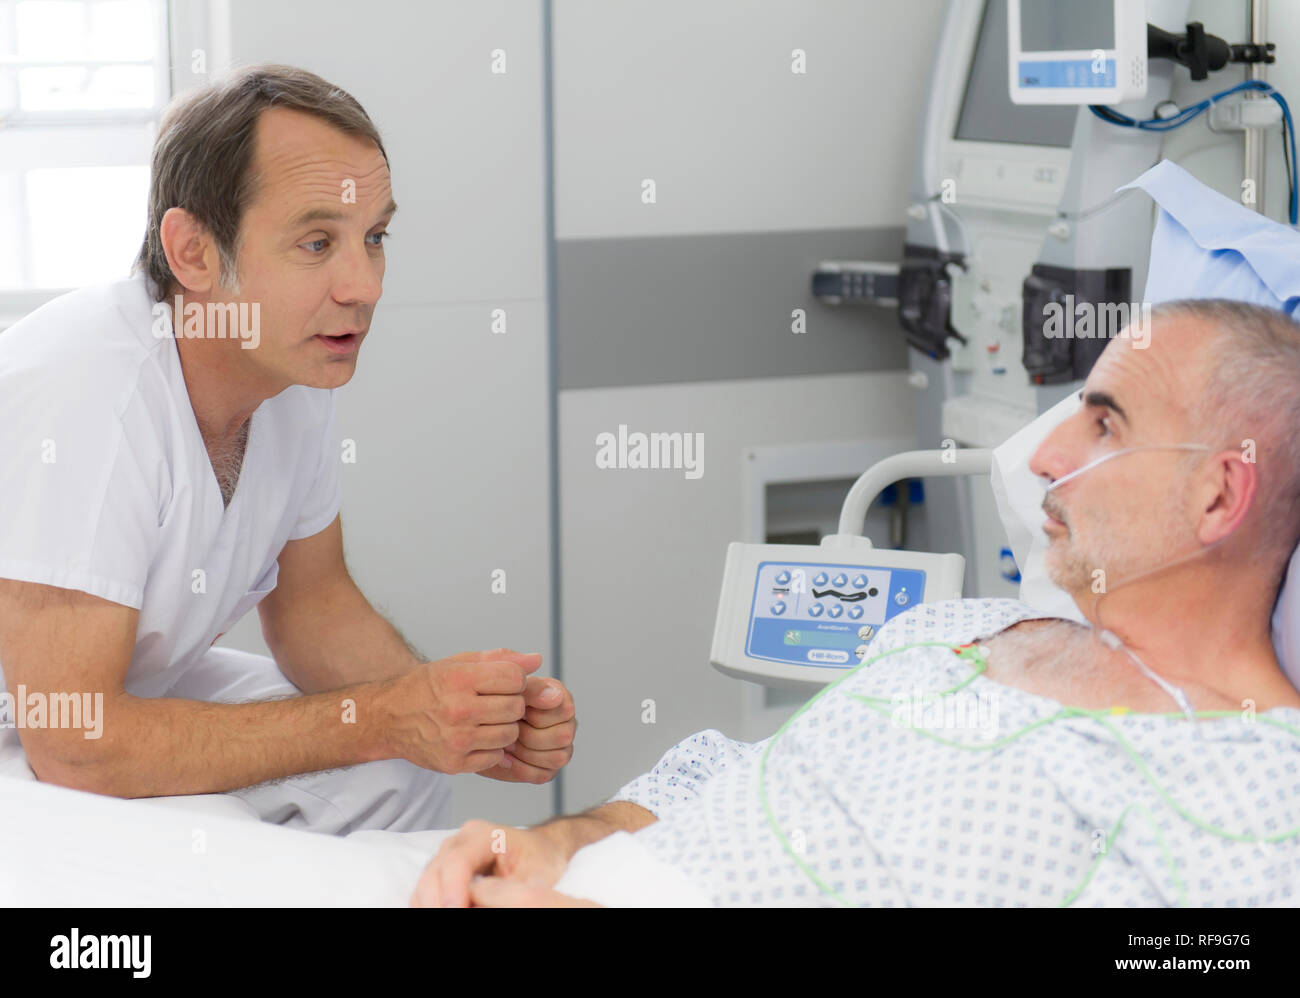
x,y
1064,661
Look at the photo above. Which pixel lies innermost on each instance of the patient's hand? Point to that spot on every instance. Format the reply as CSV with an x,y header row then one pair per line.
x,y
529,857
493,892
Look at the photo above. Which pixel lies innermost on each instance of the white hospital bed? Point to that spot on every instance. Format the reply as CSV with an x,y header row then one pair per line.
x,y
81,850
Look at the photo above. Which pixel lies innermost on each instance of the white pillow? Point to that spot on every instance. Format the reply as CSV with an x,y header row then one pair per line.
x,y
1208,246
1019,494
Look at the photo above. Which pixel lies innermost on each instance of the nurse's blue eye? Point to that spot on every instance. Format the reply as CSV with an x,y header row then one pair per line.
x,y
379,237
316,242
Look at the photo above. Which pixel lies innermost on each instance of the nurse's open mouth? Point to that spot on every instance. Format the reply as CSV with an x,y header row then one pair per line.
x,y
343,343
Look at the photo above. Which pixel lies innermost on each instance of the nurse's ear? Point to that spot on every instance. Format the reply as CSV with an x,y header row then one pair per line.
x,y
191,251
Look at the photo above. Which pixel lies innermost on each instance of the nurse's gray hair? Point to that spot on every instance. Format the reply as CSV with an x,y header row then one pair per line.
x,y
202,158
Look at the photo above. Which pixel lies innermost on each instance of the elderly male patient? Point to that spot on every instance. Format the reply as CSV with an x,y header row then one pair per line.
x,y
1162,768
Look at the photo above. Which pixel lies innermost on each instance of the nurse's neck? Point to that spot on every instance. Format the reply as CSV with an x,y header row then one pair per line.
x,y
224,388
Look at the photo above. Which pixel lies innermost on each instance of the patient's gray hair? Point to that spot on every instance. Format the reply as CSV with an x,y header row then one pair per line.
x,y
1253,393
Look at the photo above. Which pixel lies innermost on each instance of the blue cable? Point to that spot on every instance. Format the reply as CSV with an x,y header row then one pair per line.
x,y
1191,111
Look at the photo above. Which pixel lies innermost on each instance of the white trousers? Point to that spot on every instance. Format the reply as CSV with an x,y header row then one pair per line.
x,y
390,795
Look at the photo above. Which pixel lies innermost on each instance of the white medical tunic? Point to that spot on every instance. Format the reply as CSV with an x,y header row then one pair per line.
x,y
106,486
900,800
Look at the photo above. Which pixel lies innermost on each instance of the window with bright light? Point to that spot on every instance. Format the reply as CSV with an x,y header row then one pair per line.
x,y
82,83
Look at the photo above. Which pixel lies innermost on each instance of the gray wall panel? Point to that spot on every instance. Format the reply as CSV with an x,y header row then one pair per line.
x,y
665,310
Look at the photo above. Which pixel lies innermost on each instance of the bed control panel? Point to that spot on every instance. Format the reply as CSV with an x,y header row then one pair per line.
x,y
825,613
798,616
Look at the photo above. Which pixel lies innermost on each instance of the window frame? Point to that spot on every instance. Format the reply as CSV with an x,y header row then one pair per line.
x,y
184,26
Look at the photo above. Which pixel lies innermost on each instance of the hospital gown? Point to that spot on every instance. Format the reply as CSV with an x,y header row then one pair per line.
x,y
871,810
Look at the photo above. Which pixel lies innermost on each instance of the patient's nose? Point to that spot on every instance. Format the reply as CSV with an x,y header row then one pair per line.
x,y
1053,457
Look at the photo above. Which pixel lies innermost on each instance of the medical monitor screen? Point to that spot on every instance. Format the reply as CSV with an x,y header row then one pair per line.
x,y
1052,26
987,114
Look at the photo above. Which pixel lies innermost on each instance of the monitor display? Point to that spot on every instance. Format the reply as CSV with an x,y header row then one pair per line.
x,y
987,113
1052,26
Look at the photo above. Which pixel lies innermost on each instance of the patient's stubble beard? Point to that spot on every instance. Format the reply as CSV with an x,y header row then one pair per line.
x,y
1114,548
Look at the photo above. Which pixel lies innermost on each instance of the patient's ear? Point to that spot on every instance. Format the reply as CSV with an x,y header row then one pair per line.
x,y
1228,495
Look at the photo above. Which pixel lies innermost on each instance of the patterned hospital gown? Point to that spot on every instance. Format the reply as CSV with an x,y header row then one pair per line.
x,y
875,802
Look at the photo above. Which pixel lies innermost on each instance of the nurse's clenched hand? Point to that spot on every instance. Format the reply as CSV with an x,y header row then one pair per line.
x,y
458,714
545,743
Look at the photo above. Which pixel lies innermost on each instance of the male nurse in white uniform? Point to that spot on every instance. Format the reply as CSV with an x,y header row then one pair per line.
x,y
168,460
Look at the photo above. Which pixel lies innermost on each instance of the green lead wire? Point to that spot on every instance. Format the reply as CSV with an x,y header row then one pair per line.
x,y
972,653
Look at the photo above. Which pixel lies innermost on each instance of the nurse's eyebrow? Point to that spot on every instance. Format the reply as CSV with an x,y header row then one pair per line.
x,y
331,215
1104,400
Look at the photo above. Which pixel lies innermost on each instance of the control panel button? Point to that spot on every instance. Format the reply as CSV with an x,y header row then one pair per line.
x,y
789,620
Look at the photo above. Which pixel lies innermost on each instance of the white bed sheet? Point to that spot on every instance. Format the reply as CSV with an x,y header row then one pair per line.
x,y
65,848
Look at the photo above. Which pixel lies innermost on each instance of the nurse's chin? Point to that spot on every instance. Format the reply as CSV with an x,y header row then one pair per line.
x,y
334,374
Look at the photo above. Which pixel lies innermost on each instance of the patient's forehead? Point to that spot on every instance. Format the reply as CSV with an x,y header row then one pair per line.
x,y
1156,379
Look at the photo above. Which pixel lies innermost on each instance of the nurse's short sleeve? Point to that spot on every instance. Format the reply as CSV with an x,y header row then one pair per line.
x,y
323,498
78,502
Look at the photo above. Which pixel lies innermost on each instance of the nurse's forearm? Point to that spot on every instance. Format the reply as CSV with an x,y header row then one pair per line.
x,y
160,747
337,640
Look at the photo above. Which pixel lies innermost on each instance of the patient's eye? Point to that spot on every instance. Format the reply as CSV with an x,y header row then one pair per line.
x,y
1104,427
